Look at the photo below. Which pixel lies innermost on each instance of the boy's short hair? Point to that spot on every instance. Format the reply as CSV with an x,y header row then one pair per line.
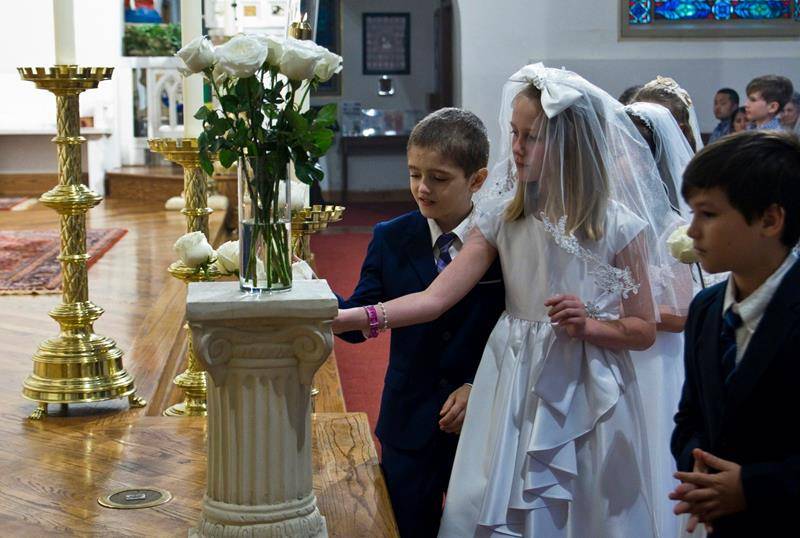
x,y
732,94
772,88
755,169
795,99
456,134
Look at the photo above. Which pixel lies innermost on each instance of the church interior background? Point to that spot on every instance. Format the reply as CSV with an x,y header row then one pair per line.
x,y
125,424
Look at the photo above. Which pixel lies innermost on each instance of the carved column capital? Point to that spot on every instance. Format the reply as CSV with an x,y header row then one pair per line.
x,y
261,354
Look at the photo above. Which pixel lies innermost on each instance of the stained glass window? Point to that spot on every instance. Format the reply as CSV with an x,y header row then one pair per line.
x,y
647,11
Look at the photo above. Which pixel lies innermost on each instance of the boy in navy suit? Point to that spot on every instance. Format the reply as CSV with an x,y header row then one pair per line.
x,y
735,442
431,365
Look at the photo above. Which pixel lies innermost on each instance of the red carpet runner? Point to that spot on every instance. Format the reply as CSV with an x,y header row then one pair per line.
x,y
339,254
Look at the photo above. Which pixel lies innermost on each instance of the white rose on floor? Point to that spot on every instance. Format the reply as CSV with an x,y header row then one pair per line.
x,y
328,65
299,59
681,246
228,257
197,55
193,249
241,56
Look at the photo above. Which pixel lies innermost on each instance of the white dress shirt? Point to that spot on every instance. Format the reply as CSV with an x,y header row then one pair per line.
x,y
461,231
752,308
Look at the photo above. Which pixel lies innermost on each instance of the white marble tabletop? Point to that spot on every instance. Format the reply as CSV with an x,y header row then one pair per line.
x,y
224,300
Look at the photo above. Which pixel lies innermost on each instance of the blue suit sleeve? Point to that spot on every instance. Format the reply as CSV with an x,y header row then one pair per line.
x,y
369,289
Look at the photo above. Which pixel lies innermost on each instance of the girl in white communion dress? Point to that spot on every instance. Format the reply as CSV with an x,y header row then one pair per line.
x,y
553,443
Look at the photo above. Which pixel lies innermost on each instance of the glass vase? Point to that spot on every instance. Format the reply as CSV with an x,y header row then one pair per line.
x,y
265,263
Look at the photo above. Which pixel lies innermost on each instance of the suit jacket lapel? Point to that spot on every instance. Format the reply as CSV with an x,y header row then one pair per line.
x,y
420,251
781,314
710,370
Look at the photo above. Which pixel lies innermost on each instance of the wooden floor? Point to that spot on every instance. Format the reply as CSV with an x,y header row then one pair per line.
x,y
52,472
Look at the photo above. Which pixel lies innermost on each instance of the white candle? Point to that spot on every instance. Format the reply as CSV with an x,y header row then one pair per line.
x,y
64,25
191,27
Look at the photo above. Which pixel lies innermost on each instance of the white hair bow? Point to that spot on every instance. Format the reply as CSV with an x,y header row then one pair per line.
x,y
556,97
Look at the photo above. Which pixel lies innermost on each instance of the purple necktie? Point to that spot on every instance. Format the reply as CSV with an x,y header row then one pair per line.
x,y
442,245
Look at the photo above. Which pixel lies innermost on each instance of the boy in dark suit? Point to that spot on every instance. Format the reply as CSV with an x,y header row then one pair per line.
x,y
431,365
734,441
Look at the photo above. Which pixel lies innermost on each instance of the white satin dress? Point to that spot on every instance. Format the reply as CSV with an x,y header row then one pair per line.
x,y
552,443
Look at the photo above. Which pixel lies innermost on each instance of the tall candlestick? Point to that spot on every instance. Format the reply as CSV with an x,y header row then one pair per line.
x,y
191,27
64,25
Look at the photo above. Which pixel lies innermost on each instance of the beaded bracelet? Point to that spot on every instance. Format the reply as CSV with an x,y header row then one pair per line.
x,y
385,317
372,317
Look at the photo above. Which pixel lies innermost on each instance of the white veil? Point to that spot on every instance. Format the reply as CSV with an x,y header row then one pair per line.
x,y
672,152
593,156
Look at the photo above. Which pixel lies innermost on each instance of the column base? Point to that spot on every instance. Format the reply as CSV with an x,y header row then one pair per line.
x,y
299,518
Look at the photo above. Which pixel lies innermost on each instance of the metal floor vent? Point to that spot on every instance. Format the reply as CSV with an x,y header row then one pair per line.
x,y
135,498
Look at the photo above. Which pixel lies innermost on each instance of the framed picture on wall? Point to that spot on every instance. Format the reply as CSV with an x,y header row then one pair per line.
x,y
386,43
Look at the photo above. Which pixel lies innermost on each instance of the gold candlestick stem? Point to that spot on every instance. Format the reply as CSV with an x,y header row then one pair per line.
x,y
77,366
185,152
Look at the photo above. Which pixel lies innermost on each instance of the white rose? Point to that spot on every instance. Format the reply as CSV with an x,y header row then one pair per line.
x,y
274,46
219,75
328,65
228,257
681,246
299,59
242,56
193,249
196,55
298,198
302,271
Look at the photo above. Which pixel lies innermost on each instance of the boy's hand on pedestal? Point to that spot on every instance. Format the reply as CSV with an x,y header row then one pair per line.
x,y
713,495
454,410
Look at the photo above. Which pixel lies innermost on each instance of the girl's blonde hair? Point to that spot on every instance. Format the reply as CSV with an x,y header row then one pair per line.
x,y
585,184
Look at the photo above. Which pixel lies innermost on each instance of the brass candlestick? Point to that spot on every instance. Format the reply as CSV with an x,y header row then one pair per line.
x,y
311,220
77,366
185,152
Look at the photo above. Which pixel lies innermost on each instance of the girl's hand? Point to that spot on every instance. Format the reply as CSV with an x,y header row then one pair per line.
x,y
569,312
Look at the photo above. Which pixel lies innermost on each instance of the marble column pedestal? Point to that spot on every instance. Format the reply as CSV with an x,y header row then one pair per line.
x,y
261,353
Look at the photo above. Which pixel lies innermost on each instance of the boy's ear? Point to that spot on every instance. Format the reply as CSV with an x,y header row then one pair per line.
x,y
477,179
773,221
773,107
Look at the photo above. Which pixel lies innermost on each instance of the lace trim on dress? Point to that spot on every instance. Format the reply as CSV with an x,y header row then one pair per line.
x,y
606,277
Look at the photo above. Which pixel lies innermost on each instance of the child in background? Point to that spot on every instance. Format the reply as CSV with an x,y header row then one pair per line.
x,y
726,101
766,97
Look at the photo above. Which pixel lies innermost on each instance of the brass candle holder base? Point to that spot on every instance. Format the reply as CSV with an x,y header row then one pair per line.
x,y
77,366
186,152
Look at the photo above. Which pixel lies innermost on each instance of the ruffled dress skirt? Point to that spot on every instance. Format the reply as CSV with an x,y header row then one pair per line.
x,y
552,443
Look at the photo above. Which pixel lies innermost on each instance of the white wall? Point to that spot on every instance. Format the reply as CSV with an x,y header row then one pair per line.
x,y
368,173
27,41
495,38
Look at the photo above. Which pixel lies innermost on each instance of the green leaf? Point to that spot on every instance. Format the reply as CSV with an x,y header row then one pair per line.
x,y
308,172
227,157
323,140
230,103
206,164
202,113
326,115
297,122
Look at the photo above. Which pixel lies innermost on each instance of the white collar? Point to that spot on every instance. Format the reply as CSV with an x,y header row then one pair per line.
x,y
752,308
461,231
